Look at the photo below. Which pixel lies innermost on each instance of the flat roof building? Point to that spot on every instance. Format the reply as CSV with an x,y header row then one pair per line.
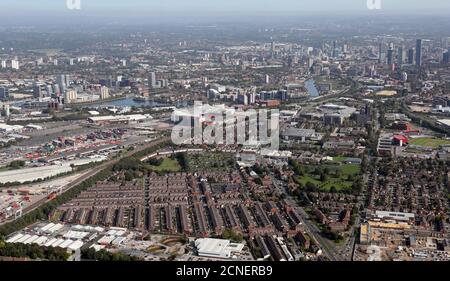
x,y
217,248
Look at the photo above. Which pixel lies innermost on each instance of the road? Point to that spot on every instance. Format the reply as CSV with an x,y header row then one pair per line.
x,y
311,228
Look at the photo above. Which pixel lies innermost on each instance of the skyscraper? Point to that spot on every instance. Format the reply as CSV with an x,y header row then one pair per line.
x,y
334,48
390,56
380,53
4,94
419,52
70,96
446,57
15,64
37,93
152,80
104,92
411,56
400,56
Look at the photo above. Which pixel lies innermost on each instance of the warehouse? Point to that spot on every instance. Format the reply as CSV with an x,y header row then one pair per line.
x,y
118,118
217,248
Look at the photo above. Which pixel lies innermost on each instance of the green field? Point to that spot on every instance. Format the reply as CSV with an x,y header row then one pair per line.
x,y
340,181
168,165
429,142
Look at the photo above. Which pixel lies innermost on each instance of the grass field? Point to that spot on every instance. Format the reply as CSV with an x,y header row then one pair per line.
x,y
429,142
340,182
168,165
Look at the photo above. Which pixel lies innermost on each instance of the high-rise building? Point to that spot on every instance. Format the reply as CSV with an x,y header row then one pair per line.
x,y
15,64
3,64
272,49
251,97
267,79
37,93
334,49
104,92
411,56
400,56
56,90
152,80
70,96
390,56
380,53
419,52
71,61
4,94
61,81
446,57
67,80
7,109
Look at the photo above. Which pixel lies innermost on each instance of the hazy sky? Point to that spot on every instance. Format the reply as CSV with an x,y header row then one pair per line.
x,y
34,12
244,6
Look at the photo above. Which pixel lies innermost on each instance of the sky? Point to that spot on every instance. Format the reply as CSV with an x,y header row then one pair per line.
x,y
155,6
29,10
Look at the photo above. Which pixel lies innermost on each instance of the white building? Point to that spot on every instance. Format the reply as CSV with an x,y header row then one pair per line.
x,y
15,64
217,248
70,96
104,92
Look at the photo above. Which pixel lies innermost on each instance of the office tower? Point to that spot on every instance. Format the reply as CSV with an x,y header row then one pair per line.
x,y
390,57
446,57
419,52
3,64
124,62
71,62
267,79
15,64
334,48
152,80
411,56
104,92
55,62
37,93
4,94
400,56
380,53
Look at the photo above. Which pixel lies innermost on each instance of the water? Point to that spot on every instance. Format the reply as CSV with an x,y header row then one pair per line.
x,y
311,87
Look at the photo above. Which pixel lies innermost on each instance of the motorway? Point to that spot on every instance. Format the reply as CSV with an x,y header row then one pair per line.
x,y
92,172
